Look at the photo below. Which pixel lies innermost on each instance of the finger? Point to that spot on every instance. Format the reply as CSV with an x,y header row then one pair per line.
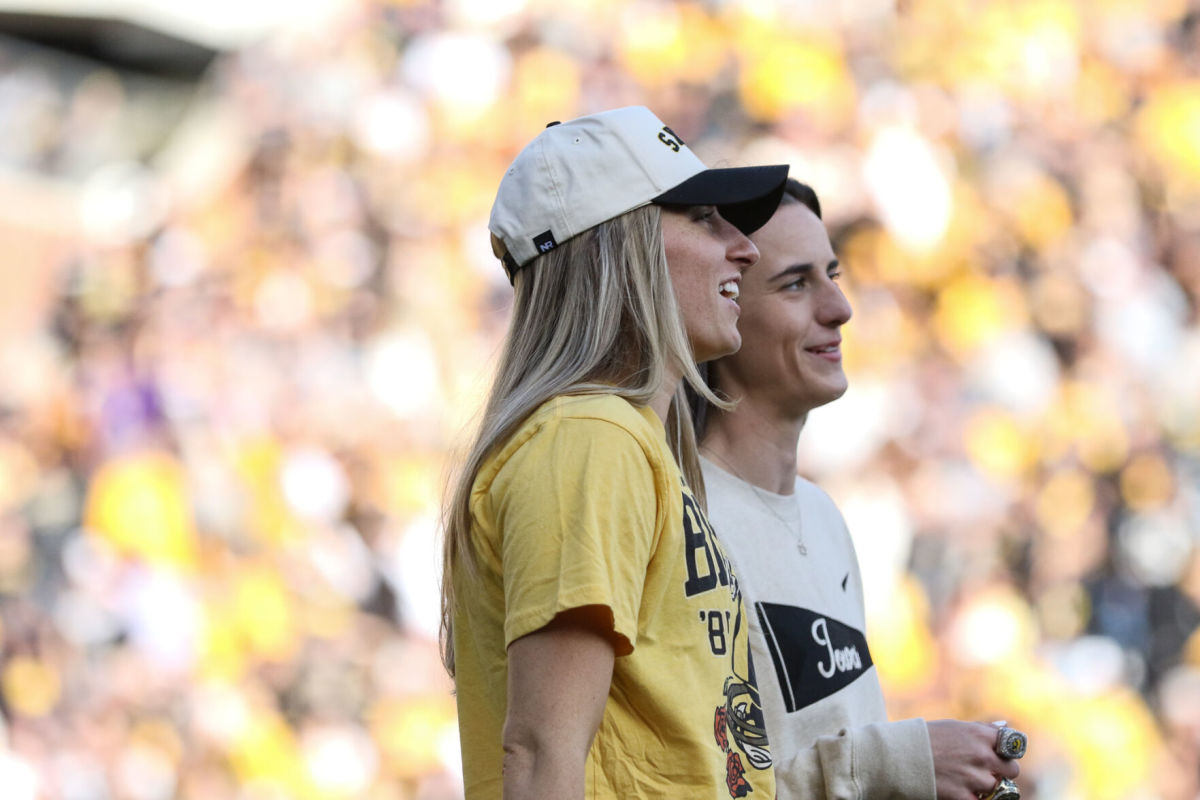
x,y
1001,767
985,733
1008,769
989,788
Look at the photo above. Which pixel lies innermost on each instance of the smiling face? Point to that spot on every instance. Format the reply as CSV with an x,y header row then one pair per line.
x,y
792,312
706,257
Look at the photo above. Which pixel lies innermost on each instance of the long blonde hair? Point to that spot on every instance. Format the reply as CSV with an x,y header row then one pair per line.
x,y
595,315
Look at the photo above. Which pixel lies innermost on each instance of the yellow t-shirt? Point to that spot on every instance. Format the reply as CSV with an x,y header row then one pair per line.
x,y
584,505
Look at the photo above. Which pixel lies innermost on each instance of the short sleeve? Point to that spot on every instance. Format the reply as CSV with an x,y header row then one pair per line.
x,y
575,507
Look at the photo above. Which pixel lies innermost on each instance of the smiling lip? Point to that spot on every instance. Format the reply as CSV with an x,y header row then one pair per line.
x,y
830,352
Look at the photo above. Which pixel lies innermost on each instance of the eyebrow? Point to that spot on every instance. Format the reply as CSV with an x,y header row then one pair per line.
x,y
800,269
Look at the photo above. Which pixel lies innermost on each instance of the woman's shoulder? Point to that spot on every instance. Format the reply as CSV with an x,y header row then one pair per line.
x,y
584,413
575,425
609,408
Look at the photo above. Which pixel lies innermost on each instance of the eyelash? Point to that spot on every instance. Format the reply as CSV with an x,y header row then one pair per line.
x,y
799,282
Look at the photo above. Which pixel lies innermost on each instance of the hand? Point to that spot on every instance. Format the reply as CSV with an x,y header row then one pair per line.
x,y
965,763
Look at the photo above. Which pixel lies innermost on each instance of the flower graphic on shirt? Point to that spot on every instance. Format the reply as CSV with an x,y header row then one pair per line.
x,y
720,720
735,771
735,776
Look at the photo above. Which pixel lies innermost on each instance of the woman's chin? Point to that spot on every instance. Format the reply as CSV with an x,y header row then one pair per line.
x,y
710,351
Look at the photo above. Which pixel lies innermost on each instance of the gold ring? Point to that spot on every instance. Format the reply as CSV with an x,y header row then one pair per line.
x,y
1005,790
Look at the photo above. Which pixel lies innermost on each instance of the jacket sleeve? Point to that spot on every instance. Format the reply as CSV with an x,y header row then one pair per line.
x,y
880,761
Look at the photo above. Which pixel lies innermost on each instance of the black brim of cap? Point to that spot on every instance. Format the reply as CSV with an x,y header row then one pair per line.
x,y
746,196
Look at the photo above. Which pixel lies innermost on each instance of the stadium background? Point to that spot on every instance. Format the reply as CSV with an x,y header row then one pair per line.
x,y
247,308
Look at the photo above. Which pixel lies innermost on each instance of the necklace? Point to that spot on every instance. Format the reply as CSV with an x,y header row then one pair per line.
x,y
760,495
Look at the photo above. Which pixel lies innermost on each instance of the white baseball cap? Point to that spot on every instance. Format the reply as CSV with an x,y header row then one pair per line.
x,y
577,174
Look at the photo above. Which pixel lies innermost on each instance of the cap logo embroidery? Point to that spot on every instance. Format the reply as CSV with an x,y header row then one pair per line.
x,y
544,242
670,138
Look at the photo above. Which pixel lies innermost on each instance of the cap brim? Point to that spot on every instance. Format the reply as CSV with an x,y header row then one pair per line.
x,y
746,196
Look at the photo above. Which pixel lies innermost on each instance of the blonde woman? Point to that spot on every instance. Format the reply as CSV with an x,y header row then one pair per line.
x,y
591,622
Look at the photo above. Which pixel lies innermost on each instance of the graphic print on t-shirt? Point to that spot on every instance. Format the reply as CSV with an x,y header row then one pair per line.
x,y
814,655
739,718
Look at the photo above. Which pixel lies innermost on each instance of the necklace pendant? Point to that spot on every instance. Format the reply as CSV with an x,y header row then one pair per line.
x,y
803,550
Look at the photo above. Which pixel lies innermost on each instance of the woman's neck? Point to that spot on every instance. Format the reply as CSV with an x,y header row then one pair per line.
x,y
662,398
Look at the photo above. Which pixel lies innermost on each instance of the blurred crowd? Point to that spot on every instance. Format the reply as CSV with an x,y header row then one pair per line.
x,y
245,322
